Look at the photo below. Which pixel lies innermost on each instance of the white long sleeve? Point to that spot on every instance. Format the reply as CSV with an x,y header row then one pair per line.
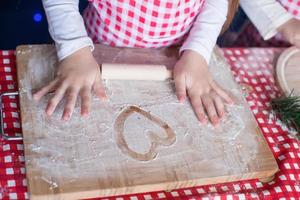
x,y
266,15
206,29
66,26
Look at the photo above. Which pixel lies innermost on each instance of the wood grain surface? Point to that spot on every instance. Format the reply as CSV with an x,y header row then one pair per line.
x,y
185,164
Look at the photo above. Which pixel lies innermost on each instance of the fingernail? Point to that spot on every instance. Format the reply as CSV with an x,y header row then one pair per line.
x,y
215,120
222,115
84,114
34,96
47,111
65,117
181,99
217,125
203,120
104,98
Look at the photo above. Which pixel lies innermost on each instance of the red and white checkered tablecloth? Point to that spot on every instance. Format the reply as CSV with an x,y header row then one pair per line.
x,y
251,67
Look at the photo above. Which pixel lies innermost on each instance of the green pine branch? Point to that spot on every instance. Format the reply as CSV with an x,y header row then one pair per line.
x,y
288,109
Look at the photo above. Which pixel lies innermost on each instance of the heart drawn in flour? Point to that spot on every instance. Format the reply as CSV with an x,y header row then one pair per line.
x,y
155,140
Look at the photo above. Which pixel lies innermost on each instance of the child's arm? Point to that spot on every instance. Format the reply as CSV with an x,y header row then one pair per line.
x,y
266,15
191,72
78,72
66,26
206,29
270,17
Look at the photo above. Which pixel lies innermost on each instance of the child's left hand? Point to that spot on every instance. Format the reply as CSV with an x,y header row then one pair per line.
x,y
291,31
193,78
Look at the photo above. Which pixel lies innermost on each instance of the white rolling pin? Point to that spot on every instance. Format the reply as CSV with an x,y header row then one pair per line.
x,y
135,72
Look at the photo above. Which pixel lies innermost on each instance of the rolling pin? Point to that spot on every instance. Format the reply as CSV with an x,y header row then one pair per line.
x,y
135,72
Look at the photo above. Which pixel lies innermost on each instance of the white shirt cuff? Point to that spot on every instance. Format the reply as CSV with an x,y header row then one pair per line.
x,y
206,28
270,31
205,53
266,15
65,49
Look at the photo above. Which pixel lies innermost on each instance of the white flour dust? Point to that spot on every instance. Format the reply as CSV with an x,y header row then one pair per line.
x,y
86,147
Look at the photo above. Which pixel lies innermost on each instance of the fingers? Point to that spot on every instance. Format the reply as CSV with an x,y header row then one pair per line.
x,y
44,90
198,107
99,90
71,94
58,95
180,87
71,98
85,94
222,93
210,104
219,105
210,108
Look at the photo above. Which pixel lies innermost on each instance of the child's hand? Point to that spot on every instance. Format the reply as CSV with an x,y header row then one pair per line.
x,y
291,31
78,74
192,77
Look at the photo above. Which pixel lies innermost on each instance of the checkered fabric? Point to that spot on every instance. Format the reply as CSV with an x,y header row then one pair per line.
x,y
292,6
132,23
12,167
252,69
250,37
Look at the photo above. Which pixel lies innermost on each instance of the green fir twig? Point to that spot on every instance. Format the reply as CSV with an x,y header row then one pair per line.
x,y
288,109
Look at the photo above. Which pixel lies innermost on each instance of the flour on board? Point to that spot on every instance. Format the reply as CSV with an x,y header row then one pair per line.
x,y
86,147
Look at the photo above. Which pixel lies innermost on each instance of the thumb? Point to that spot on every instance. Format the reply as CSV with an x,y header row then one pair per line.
x,y
180,86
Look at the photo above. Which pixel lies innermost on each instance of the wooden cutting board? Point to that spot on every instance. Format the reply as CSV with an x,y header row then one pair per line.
x,y
141,140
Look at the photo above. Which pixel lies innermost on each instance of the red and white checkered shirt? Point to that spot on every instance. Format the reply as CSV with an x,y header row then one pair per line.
x,y
292,6
137,23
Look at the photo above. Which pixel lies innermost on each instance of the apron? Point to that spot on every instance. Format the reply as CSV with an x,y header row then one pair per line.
x,y
292,6
140,23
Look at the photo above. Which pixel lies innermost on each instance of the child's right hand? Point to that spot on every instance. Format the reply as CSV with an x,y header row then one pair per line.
x,y
78,74
192,78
